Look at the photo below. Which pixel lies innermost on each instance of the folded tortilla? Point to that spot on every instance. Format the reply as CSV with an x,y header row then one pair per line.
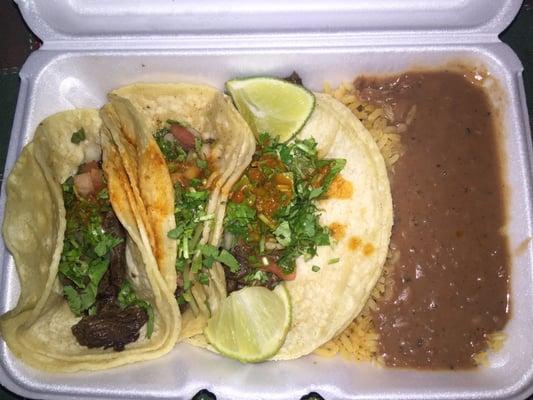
x,y
359,209
134,114
360,201
38,329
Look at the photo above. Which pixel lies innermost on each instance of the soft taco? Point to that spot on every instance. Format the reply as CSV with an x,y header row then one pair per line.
x,y
183,147
91,294
314,215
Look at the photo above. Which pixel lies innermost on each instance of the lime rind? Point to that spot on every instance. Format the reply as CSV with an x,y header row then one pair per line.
x,y
272,105
238,330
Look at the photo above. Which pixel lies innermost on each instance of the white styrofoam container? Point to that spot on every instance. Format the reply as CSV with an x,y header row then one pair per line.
x,y
93,46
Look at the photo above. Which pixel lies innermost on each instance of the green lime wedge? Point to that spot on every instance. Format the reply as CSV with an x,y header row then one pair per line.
x,y
252,323
272,105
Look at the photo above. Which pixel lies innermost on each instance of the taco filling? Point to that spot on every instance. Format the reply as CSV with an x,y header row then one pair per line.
x,y
186,155
272,217
93,268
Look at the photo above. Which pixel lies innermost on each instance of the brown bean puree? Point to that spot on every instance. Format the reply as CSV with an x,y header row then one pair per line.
x,y
451,280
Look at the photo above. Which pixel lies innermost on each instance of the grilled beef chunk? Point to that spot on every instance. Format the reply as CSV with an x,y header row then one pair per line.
x,y
111,327
294,78
115,275
237,280
179,291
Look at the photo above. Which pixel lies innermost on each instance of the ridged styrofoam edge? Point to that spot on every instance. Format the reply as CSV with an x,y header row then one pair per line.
x,y
57,80
116,22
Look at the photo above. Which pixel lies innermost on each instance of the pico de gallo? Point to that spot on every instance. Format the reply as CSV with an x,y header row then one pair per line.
x,y
272,217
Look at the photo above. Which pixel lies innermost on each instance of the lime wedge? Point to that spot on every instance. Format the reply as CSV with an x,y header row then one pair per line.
x,y
252,323
272,105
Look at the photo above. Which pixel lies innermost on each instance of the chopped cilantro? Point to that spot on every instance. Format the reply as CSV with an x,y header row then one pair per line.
x,y
226,258
283,233
211,254
196,196
96,271
334,261
267,221
335,167
198,145
127,298
293,220
171,149
73,299
103,194
197,262
208,250
106,243
315,268
258,276
203,278
190,214
238,217
86,255
202,164
81,301
176,232
68,191
190,207
78,136
84,259
316,192
196,182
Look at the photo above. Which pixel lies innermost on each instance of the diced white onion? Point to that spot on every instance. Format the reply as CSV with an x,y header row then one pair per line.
x,y
92,152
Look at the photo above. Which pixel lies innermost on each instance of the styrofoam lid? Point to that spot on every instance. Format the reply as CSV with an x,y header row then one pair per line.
x,y
84,19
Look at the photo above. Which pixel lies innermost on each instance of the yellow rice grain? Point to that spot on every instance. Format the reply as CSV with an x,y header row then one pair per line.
x,y
350,99
361,115
340,92
330,349
327,88
378,123
347,344
378,112
481,359
495,343
394,158
496,340
401,128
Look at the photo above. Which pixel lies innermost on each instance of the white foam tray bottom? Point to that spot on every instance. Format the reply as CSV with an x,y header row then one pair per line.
x,y
55,81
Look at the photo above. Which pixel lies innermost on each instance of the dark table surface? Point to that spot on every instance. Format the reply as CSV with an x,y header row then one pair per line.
x,y
17,42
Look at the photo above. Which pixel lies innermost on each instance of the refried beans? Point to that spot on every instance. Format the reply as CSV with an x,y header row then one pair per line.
x,y
451,279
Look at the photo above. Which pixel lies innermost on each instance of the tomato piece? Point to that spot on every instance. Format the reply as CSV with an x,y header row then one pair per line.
x,y
97,178
90,181
255,175
183,136
276,269
238,196
83,184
